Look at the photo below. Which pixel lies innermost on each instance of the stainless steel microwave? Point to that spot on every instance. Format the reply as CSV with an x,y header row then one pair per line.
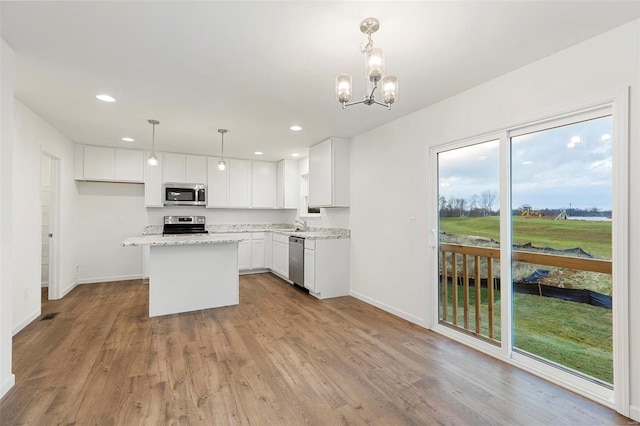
x,y
184,194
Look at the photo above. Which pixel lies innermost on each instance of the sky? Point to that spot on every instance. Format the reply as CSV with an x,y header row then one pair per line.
x,y
563,167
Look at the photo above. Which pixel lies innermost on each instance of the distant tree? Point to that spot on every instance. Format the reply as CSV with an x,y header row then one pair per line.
x,y
460,203
474,206
487,199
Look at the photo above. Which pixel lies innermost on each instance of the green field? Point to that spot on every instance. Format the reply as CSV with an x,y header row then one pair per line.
x,y
576,335
592,237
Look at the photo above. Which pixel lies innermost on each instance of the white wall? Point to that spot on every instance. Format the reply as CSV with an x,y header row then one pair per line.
x,y
6,154
389,251
34,136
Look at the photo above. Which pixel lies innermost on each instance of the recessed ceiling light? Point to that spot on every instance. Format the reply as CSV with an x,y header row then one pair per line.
x,y
106,98
295,154
258,152
128,139
295,128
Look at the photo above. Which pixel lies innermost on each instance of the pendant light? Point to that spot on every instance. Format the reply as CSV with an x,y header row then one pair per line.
x,y
153,160
374,70
221,164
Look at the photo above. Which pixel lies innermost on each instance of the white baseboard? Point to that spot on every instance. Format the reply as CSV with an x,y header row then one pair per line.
x,y
634,413
67,290
411,318
254,271
7,384
26,322
95,280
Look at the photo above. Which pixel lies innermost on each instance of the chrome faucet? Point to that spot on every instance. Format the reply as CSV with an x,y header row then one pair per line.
x,y
303,223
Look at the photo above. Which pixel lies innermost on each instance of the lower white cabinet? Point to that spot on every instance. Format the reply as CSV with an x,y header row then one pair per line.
x,y
326,267
244,253
280,252
310,270
257,250
268,250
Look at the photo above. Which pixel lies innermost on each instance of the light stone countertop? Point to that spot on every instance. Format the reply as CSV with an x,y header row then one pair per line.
x,y
282,229
178,240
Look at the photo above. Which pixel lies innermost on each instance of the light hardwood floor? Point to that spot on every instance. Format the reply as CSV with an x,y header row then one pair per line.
x,y
281,357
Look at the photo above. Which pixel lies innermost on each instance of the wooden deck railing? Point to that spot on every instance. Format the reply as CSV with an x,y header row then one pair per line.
x,y
450,257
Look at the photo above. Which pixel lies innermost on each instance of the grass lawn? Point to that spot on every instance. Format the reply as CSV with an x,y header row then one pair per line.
x,y
592,237
576,335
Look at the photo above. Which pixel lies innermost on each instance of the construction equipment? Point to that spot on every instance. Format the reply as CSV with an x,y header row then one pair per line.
x,y
528,211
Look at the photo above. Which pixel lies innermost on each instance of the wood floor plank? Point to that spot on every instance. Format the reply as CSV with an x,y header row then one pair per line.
x,y
281,357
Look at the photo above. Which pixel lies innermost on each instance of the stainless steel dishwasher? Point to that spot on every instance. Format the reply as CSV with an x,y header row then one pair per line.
x,y
296,260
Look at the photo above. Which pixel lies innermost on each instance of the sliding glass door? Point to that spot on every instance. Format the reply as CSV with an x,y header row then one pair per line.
x,y
561,257
469,239
531,246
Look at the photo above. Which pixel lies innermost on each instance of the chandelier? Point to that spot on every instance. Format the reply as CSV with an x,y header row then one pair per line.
x,y
374,68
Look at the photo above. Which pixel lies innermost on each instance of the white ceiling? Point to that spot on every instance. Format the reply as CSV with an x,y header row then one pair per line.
x,y
256,68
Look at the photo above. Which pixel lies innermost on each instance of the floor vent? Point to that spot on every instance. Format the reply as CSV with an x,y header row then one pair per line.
x,y
49,316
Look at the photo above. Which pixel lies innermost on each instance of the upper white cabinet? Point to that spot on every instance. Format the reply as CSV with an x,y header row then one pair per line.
x,y
196,169
329,173
239,183
217,185
153,183
184,168
173,167
129,165
230,187
108,164
287,184
263,184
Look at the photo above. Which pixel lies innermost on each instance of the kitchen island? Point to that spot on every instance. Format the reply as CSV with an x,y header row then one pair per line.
x,y
190,272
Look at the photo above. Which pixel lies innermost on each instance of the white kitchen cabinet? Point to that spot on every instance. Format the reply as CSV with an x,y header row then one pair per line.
x,y
230,187
257,250
244,252
326,267
263,184
239,183
280,251
195,169
217,184
129,165
329,173
184,168
153,183
287,184
173,167
99,163
268,250
310,270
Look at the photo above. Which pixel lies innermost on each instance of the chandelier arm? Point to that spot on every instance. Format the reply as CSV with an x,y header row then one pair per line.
x,y
344,104
383,104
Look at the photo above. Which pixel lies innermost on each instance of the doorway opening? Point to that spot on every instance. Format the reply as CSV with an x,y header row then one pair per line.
x,y
49,201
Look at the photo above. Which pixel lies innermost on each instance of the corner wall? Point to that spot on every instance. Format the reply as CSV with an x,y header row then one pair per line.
x,y
6,147
389,251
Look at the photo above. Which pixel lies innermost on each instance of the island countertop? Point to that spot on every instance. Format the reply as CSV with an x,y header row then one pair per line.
x,y
179,240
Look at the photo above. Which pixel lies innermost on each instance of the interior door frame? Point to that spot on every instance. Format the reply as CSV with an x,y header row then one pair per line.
x,y
54,291
617,399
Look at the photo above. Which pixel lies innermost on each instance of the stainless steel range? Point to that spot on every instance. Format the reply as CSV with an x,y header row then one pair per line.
x,y
179,225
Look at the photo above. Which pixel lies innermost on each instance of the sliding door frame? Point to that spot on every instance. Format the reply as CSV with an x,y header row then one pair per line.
x,y
618,105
